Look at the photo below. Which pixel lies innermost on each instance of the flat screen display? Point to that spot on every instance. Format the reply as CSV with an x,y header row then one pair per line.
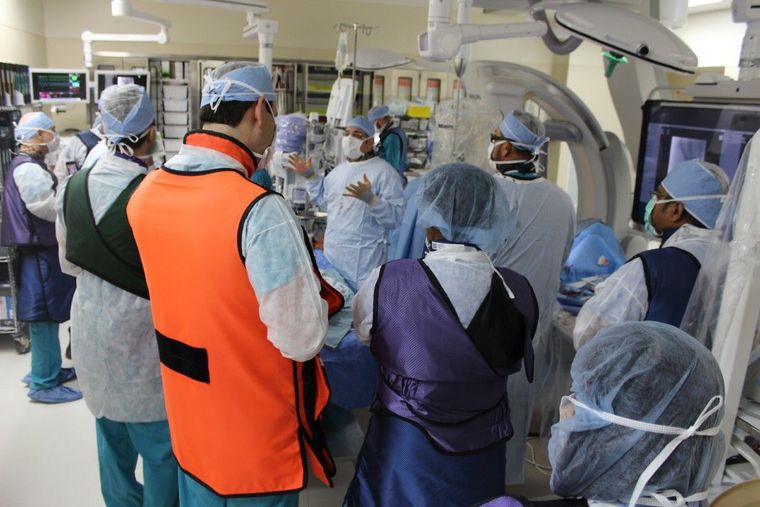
x,y
106,78
676,131
59,85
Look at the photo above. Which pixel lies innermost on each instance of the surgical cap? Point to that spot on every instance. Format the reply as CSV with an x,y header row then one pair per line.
x,y
30,123
466,205
646,371
378,112
361,123
125,111
237,81
694,178
524,130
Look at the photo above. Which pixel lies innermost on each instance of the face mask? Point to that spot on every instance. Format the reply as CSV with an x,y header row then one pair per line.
x,y
54,144
352,147
500,166
266,156
156,155
648,227
679,434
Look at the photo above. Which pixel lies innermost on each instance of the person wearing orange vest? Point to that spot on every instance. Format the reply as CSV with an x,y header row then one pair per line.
x,y
236,305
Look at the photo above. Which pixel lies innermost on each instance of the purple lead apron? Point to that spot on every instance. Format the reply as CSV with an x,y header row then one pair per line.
x,y
441,415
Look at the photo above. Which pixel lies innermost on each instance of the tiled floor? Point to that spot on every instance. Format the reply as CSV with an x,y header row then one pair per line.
x,y
48,455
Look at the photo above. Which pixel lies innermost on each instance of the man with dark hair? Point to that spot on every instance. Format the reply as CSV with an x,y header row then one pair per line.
x,y
656,284
236,306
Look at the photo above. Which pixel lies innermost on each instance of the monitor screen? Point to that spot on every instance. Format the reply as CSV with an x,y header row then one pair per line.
x,y
106,78
59,85
676,131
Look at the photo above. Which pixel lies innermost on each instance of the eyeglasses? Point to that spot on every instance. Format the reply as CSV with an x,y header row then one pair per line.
x,y
496,138
657,195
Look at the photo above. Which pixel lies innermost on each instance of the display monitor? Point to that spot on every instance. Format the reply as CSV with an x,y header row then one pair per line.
x,y
106,78
676,131
59,85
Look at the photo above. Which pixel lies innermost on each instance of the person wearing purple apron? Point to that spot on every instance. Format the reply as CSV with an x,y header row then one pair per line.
x,y
447,331
44,292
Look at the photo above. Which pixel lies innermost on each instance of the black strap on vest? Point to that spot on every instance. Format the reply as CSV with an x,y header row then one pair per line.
x,y
89,139
108,249
498,317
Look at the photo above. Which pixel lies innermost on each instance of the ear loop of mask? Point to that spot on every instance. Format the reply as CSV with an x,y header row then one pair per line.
x,y
35,129
681,434
722,197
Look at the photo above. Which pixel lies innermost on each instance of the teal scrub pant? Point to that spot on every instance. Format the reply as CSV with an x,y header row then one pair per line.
x,y
194,494
119,444
46,354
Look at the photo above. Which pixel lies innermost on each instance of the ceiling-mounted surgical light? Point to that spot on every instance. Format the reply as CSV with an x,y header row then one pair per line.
x,y
629,33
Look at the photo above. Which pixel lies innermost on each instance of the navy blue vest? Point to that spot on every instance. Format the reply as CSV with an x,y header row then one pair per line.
x,y
398,131
19,226
449,380
670,275
89,139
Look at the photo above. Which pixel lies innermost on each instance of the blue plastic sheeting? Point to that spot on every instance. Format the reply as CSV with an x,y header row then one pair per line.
x,y
291,133
351,369
596,254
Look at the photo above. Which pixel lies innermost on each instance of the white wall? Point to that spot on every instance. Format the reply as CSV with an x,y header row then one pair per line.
x,y
22,33
715,39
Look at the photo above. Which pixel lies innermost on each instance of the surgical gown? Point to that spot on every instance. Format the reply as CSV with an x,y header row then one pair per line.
x,y
624,296
545,232
356,238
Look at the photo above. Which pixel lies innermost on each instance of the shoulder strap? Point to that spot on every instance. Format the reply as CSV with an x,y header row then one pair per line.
x,y
108,250
89,139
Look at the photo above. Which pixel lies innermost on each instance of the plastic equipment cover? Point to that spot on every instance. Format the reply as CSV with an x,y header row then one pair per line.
x,y
728,287
291,133
463,136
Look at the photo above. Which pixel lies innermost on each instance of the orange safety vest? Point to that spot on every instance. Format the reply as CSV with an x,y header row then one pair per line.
x,y
242,417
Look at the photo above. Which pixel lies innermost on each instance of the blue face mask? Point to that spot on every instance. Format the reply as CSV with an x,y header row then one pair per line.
x,y
648,227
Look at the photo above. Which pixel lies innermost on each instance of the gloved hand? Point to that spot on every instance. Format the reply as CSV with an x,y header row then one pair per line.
x,y
301,166
362,191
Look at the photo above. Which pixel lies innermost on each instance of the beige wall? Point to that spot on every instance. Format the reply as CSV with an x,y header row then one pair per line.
x,y
715,39
306,28
22,32
306,32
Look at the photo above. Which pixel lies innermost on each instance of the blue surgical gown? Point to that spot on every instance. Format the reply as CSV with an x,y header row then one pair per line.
x,y
356,238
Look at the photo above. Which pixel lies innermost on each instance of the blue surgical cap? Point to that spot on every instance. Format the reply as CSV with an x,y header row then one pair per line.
x,y
695,178
125,111
378,112
361,123
30,123
466,205
524,130
237,81
649,372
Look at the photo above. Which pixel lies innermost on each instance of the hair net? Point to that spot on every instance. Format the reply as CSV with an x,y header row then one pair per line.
x,y
649,372
696,178
237,81
466,205
378,112
524,130
361,123
30,123
126,112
